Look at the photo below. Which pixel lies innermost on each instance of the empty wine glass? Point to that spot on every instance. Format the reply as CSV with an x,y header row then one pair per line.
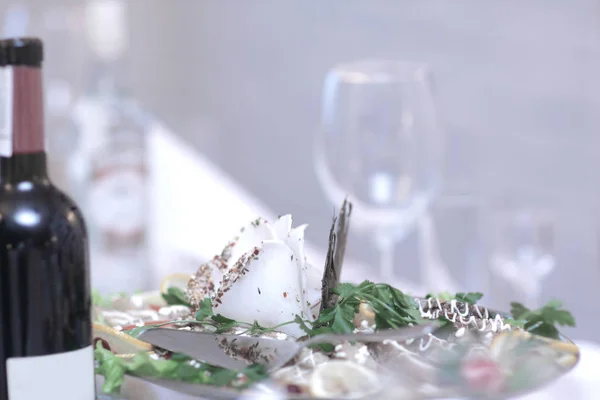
x,y
381,146
522,253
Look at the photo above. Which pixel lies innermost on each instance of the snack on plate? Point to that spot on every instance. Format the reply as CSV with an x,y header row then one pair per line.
x,y
261,284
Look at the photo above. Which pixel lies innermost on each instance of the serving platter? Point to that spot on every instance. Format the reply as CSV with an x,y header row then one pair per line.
x,y
265,277
508,364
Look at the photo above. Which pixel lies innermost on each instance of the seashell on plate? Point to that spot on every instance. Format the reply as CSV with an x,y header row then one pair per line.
x,y
356,352
310,359
295,376
565,354
174,312
145,315
344,380
568,353
119,342
145,300
152,300
393,356
115,318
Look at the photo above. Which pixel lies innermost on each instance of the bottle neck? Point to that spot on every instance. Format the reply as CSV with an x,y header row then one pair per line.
x,y
22,147
24,167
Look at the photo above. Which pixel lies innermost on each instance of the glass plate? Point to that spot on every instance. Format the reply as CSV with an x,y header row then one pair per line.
x,y
476,365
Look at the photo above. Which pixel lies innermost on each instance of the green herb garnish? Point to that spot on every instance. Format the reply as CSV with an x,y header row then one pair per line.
x,y
514,322
98,300
178,367
175,297
442,296
470,297
392,308
223,324
205,310
543,321
204,315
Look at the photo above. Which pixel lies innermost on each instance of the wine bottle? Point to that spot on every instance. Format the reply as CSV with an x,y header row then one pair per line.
x,y
45,301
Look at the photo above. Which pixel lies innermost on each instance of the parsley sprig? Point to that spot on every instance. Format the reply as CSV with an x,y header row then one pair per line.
x,y
176,297
205,315
543,321
470,297
392,309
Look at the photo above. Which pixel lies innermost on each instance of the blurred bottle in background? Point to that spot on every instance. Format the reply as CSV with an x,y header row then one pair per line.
x,y
58,25
108,171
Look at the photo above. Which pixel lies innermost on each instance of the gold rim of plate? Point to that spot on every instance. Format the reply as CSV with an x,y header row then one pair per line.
x,y
178,277
118,335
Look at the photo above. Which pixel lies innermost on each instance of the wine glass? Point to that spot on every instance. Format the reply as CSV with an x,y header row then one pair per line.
x,y
381,146
522,253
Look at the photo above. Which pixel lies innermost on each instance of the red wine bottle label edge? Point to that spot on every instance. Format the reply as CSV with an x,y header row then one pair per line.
x,y
6,111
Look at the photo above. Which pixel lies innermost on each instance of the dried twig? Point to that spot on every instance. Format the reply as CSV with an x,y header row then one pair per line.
x,y
342,235
338,236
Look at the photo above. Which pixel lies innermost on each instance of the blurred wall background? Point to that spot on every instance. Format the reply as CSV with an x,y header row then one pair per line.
x,y
517,86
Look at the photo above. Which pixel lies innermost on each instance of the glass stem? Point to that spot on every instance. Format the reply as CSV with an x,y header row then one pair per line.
x,y
533,295
385,244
